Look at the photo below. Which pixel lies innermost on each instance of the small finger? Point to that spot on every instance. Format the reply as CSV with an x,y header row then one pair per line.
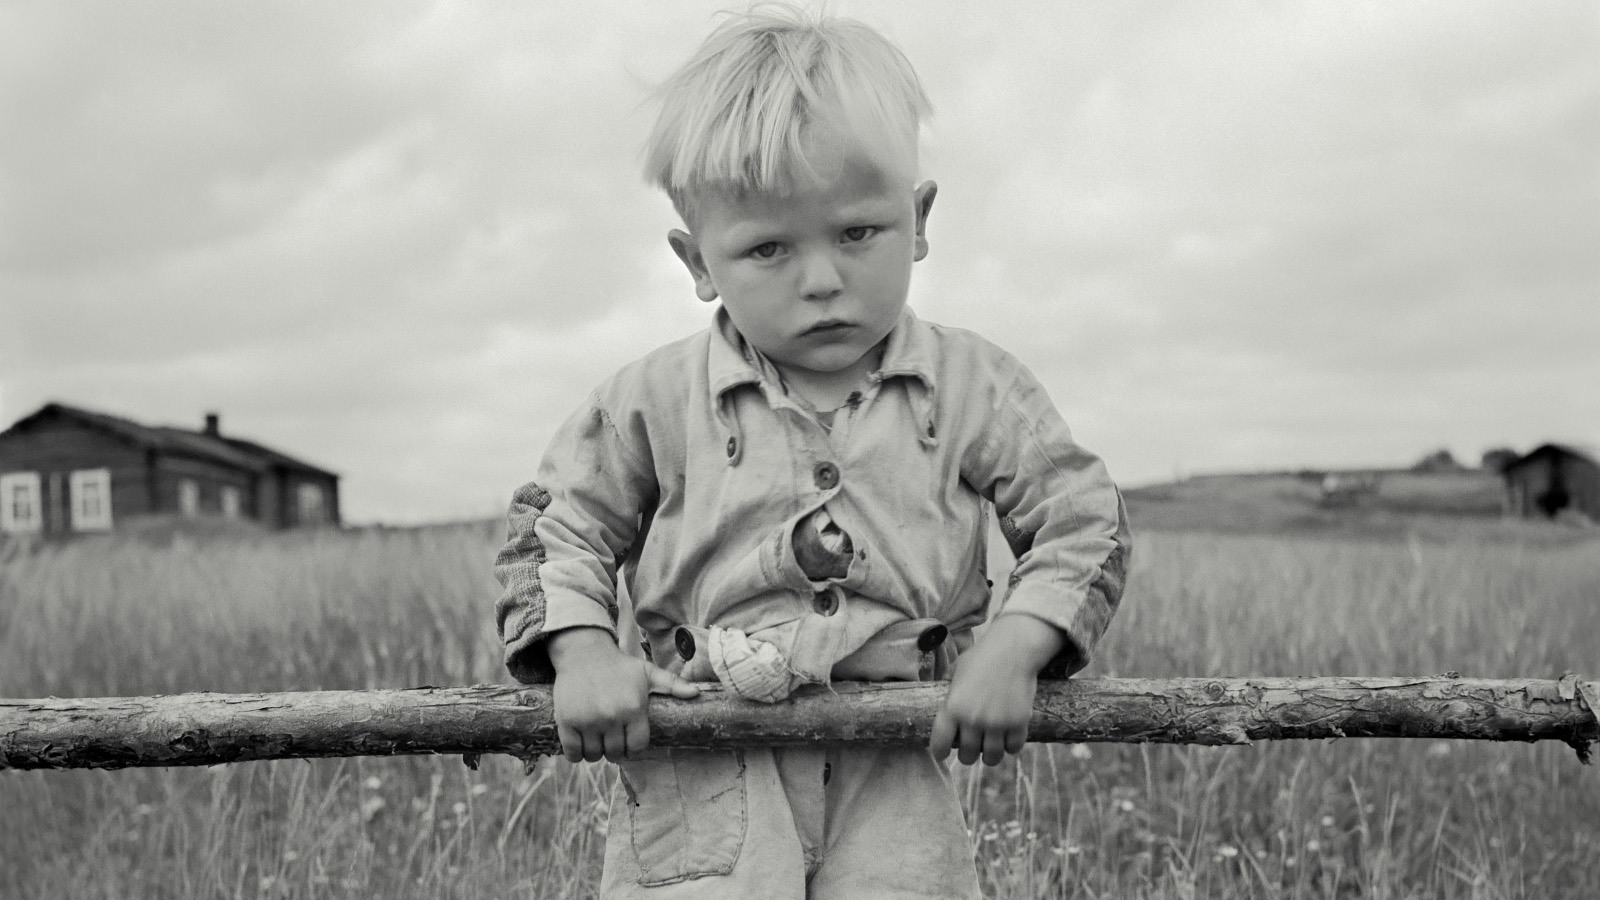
x,y
970,747
994,747
571,743
614,744
943,736
636,735
594,747
664,682
1015,738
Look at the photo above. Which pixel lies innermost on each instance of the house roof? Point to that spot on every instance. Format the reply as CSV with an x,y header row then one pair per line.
x,y
1584,453
236,452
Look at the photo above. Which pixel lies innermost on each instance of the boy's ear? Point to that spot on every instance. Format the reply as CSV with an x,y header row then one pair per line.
x,y
688,249
923,198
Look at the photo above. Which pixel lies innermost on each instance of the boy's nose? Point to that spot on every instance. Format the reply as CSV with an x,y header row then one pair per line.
x,y
819,277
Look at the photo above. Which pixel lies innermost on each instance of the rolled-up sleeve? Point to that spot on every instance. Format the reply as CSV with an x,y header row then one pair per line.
x,y
1061,514
569,530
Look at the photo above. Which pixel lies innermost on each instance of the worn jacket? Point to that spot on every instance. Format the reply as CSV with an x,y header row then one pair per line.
x,y
688,471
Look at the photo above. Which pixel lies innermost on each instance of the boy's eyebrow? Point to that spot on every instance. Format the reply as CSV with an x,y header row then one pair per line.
x,y
873,209
879,207
759,229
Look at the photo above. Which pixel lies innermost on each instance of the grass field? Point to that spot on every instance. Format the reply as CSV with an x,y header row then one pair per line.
x,y
397,608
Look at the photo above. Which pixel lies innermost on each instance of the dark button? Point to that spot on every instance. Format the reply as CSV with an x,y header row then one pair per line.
x,y
733,447
827,772
825,603
826,475
932,638
684,642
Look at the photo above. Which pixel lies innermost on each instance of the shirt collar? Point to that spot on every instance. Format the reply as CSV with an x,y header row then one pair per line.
x,y
910,352
730,362
733,362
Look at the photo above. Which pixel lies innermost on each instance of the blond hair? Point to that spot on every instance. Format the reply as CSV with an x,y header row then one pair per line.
x,y
738,115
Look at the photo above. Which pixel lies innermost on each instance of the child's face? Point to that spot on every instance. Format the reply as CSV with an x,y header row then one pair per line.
x,y
814,279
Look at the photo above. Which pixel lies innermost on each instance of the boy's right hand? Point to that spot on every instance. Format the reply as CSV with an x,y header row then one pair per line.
x,y
602,695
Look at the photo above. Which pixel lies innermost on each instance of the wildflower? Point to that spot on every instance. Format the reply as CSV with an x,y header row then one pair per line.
x,y
143,809
1289,862
1313,846
1327,821
479,789
1125,805
290,856
1227,851
372,783
1439,748
370,808
459,808
1081,752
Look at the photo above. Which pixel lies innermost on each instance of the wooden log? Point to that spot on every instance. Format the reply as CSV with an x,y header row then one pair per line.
x,y
203,728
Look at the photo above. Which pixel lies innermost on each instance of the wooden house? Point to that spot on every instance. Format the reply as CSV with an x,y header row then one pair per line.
x,y
64,470
1550,479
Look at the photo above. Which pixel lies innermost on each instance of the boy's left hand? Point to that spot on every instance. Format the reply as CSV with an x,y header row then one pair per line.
x,y
991,692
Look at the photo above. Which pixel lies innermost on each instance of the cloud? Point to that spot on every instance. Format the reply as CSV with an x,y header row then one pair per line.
x,y
403,240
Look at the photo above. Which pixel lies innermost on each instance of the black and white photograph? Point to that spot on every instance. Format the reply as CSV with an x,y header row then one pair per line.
x,y
801,450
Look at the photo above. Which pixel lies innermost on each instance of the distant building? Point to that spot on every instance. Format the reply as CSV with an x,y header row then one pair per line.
x,y
1495,459
1437,461
64,469
1550,479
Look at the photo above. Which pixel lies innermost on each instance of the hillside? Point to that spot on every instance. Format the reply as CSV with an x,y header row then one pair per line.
x,y
1375,502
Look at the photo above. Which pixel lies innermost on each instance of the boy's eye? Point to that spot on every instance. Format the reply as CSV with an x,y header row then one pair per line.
x,y
765,251
858,233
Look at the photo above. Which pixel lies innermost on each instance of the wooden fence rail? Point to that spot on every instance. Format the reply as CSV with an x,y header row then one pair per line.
x,y
204,728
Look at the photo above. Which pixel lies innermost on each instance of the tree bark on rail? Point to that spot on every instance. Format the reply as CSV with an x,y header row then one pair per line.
x,y
204,728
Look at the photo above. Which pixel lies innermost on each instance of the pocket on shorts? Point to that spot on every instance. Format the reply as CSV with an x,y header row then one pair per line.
x,y
687,813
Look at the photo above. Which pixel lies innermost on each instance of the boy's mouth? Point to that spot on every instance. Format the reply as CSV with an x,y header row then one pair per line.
x,y
828,326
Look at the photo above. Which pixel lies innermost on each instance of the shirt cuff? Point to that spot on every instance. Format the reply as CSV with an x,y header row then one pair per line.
x,y
1079,620
527,656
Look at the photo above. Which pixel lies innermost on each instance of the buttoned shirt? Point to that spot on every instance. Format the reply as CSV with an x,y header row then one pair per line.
x,y
687,472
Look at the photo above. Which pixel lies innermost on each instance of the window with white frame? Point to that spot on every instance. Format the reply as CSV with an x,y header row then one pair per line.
x,y
309,503
19,503
232,501
91,499
189,497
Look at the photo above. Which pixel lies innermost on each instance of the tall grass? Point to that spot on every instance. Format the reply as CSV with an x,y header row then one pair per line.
x,y
1353,818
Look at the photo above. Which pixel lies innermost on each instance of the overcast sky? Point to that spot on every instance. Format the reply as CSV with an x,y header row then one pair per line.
x,y
403,240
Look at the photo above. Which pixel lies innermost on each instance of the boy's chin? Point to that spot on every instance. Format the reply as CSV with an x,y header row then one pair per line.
x,y
827,363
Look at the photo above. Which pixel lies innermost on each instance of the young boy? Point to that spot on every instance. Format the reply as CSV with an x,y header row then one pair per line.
x,y
799,494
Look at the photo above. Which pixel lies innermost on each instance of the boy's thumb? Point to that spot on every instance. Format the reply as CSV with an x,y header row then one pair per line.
x,y
664,682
